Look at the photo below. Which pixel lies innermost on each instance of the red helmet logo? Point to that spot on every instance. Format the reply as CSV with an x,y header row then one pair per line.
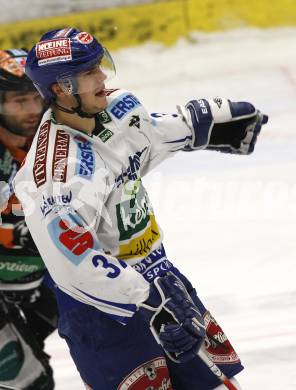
x,y
84,38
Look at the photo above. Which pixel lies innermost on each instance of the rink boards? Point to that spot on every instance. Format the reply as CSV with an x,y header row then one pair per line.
x,y
161,21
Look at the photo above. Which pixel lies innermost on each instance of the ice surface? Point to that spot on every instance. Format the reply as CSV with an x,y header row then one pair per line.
x,y
229,221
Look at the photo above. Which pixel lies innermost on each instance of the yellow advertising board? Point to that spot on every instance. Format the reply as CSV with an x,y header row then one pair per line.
x,y
161,21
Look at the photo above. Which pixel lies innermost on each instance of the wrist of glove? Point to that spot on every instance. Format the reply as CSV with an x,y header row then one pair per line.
x,y
222,125
174,320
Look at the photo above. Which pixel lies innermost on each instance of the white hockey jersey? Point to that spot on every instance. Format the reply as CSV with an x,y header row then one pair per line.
x,y
85,204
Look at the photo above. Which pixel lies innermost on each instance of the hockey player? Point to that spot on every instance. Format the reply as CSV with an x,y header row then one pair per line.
x,y
27,309
131,319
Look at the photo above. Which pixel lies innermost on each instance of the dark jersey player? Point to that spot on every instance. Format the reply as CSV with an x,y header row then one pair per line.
x,y
28,311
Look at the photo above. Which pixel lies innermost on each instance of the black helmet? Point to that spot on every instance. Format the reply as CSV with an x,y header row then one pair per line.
x,y
12,71
13,79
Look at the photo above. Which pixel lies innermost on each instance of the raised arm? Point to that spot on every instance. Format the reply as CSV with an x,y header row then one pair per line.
x,y
217,124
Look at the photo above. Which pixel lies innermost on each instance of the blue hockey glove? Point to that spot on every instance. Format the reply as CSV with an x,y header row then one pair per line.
x,y
174,320
222,125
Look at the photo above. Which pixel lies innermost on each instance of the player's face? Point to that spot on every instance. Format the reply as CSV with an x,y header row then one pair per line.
x,y
91,88
22,111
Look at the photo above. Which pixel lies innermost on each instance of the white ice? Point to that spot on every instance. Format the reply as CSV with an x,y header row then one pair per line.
x,y
229,221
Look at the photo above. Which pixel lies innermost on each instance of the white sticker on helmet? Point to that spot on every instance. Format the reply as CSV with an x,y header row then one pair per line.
x,y
54,50
84,38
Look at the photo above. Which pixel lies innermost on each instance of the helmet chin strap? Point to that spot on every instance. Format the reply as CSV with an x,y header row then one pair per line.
x,y
78,110
75,110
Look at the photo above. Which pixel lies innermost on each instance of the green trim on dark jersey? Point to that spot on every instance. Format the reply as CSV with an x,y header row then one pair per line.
x,y
18,267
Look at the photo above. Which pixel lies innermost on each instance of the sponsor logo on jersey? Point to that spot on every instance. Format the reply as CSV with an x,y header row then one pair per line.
x,y
217,345
135,121
105,135
218,101
131,173
138,230
60,156
86,159
71,238
15,267
153,375
54,50
156,270
155,264
140,245
84,38
121,106
104,117
39,167
55,203
133,214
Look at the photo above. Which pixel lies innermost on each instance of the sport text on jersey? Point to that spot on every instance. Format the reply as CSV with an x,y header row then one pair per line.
x,y
85,157
39,168
60,156
152,375
126,103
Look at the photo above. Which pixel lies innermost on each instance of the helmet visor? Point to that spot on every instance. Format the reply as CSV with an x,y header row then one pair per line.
x,y
90,80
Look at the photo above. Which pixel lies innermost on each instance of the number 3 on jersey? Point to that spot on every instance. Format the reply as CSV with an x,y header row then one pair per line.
x,y
100,260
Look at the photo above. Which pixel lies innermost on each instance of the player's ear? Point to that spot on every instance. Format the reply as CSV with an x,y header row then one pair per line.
x,y
57,90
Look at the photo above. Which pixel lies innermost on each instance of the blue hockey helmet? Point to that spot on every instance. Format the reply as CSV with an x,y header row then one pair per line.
x,y
60,55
